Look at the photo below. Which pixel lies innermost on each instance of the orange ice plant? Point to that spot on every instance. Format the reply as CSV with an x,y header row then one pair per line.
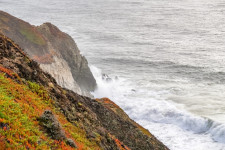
x,y
20,106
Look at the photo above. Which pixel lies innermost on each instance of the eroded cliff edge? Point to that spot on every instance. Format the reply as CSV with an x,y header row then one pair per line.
x,y
87,123
55,50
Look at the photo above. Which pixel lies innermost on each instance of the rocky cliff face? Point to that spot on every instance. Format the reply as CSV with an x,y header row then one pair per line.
x,y
32,104
61,71
56,51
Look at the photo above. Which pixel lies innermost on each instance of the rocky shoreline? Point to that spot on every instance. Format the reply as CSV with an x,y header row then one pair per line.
x,y
68,119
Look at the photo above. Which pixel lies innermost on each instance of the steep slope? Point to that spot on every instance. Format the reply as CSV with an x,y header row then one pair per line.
x,y
32,104
56,51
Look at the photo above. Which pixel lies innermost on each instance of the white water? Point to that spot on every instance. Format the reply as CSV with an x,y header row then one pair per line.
x,y
168,56
175,127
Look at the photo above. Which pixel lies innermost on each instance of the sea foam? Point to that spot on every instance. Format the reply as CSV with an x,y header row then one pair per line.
x,y
176,128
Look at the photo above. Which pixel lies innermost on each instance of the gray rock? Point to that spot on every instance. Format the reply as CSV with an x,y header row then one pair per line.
x,y
52,125
71,143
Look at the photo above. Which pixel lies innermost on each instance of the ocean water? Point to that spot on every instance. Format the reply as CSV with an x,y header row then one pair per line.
x,y
165,58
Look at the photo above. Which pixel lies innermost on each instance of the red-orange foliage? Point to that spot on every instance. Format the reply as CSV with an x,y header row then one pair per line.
x,y
62,145
7,71
2,143
120,145
32,105
80,146
2,120
106,101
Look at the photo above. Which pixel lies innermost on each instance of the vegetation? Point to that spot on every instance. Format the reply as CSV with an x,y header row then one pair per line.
x,y
119,144
46,116
32,36
20,106
111,105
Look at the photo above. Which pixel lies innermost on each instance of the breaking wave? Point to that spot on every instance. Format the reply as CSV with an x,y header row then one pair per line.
x,y
158,115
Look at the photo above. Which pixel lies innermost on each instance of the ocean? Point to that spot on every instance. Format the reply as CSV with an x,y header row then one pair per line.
x,y
163,60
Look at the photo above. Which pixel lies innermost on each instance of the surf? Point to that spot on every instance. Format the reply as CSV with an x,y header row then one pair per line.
x,y
157,114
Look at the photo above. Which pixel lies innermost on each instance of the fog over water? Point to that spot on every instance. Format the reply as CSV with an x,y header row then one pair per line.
x,y
168,55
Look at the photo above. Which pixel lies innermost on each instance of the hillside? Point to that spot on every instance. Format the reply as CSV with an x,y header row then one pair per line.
x,y
55,50
36,113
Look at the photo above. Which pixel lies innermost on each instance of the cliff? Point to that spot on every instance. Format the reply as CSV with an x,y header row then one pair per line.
x,y
37,113
56,51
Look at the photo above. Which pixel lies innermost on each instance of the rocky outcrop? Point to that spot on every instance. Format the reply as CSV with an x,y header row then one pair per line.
x,y
55,50
102,120
52,125
53,128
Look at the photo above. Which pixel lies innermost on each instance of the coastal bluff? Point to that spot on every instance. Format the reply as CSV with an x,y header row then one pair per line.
x,y
37,113
55,51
